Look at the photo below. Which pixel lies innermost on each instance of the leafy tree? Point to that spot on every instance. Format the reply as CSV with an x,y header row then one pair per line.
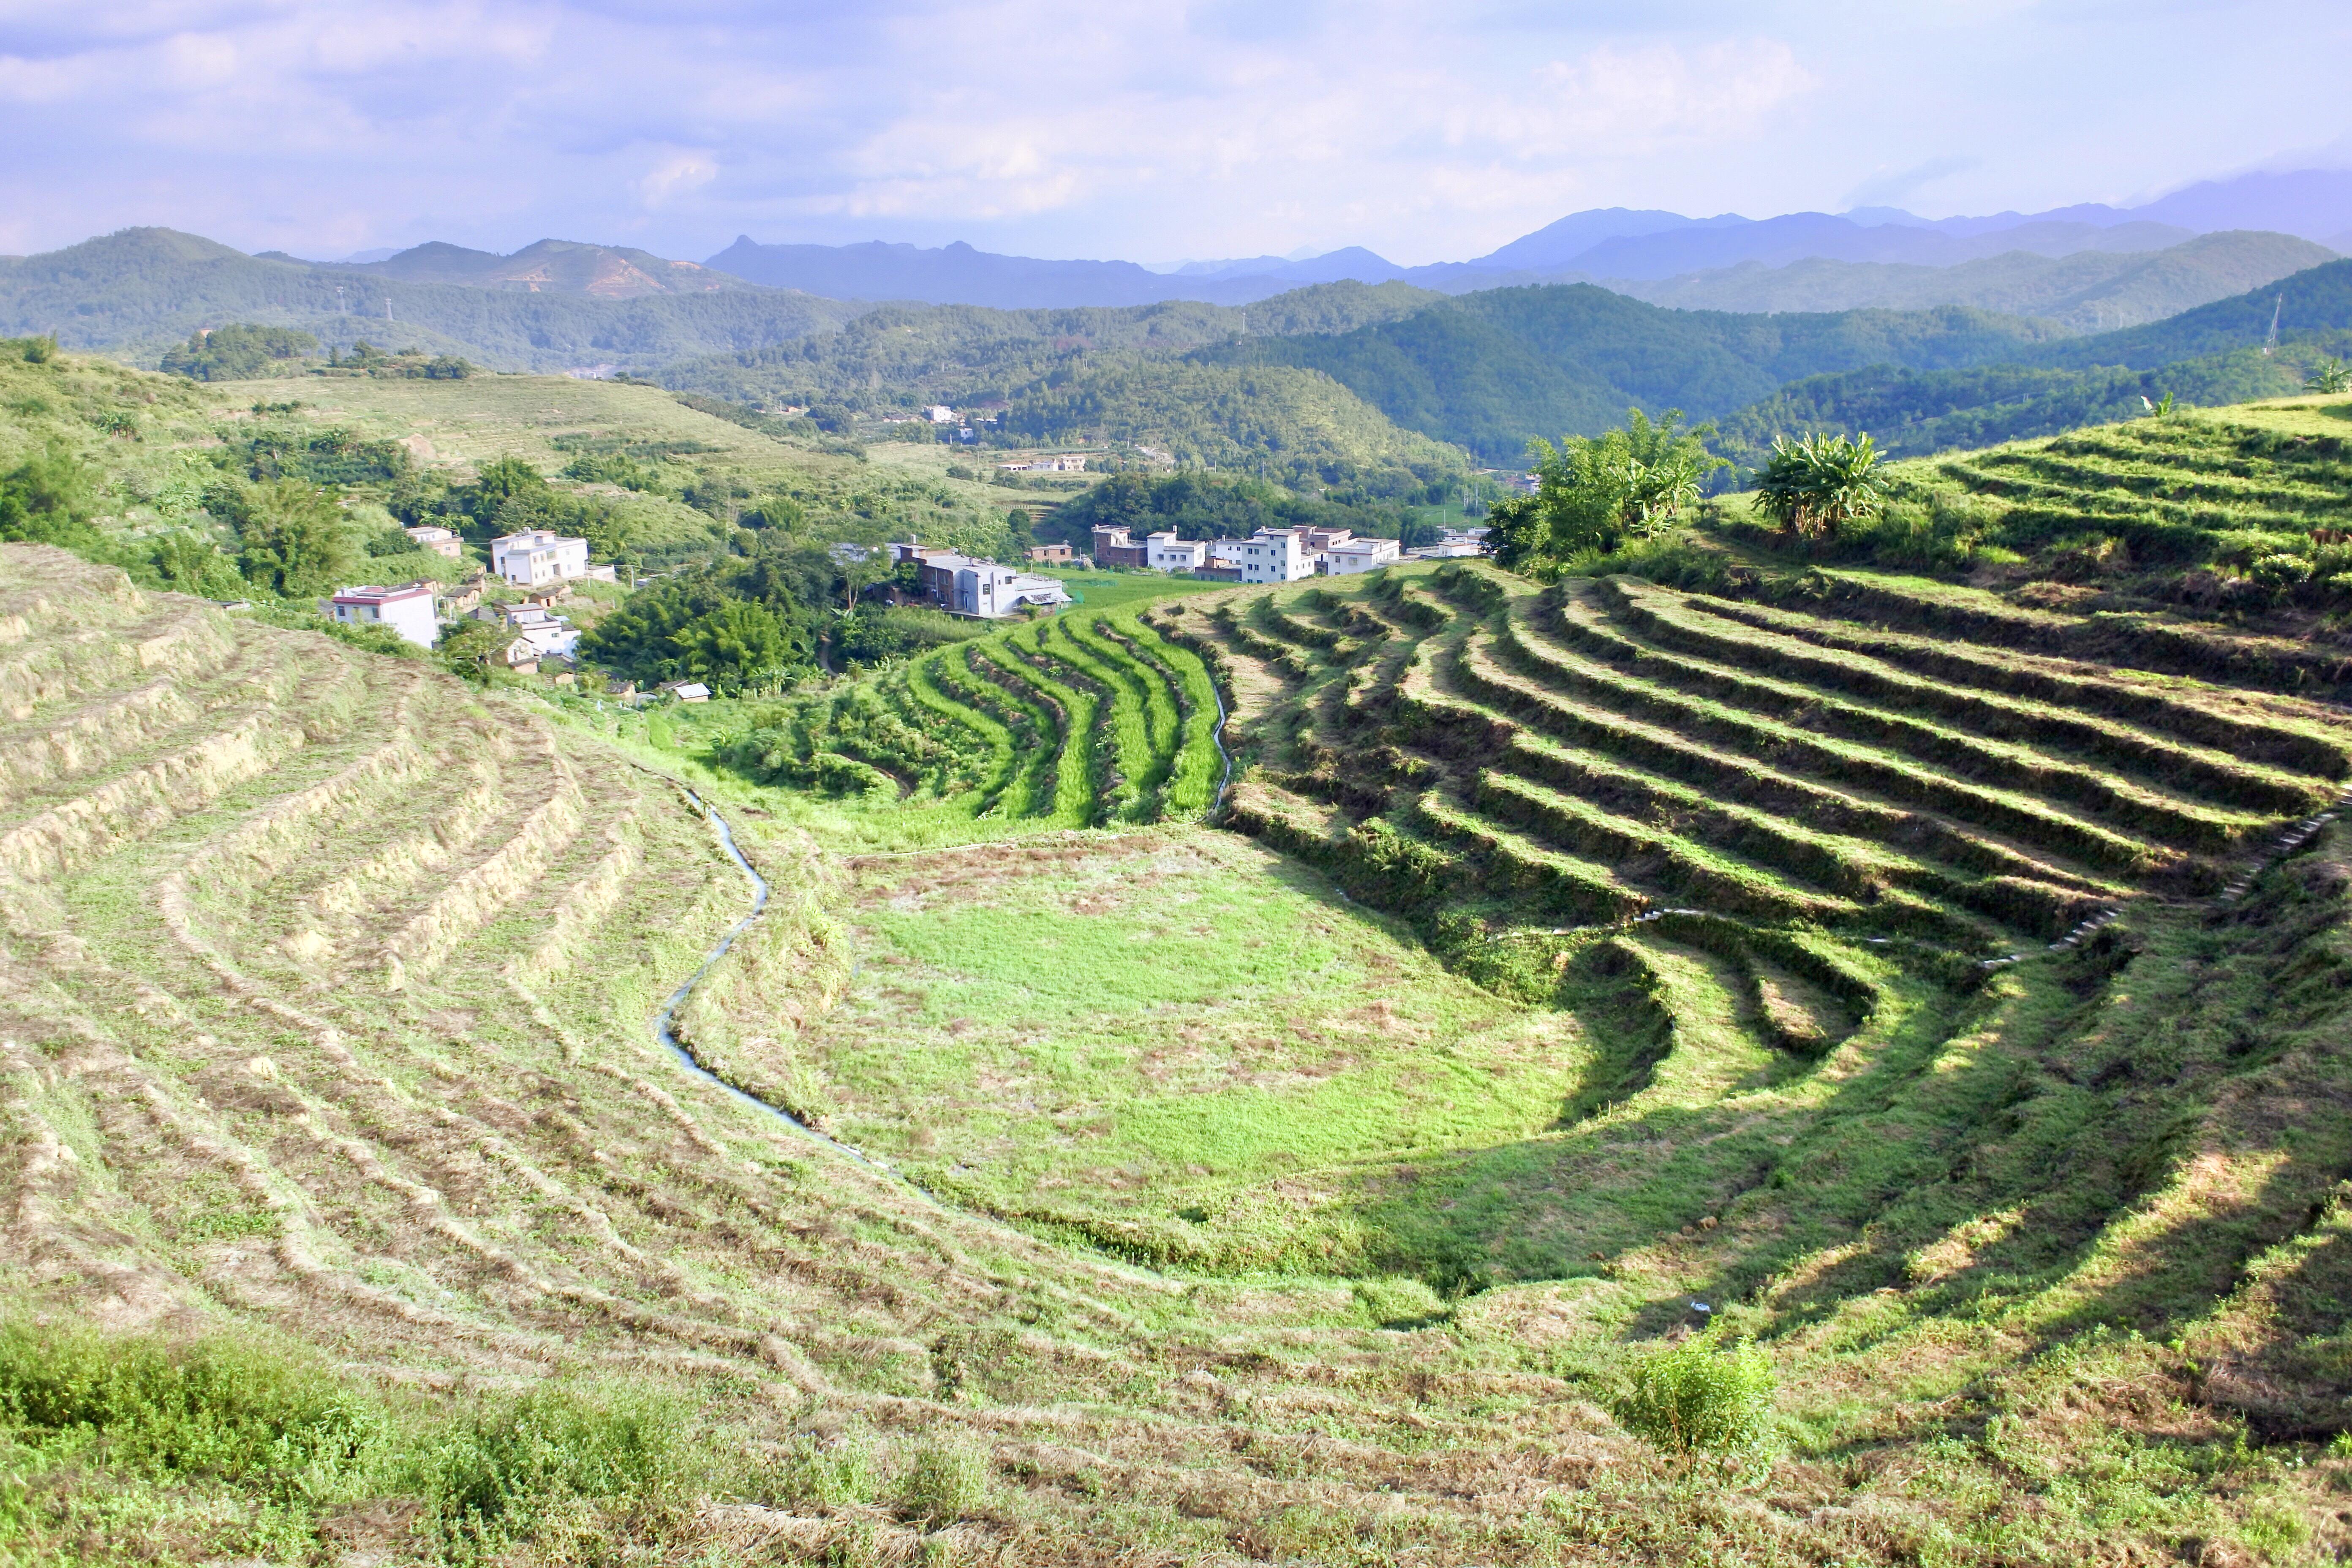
x,y
2331,376
469,647
192,564
1813,485
702,629
391,540
776,512
736,644
292,541
1595,493
236,353
500,482
48,499
1700,1396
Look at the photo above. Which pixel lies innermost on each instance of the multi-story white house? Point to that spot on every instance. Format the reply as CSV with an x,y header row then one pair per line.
x,y
440,540
407,609
549,634
539,556
964,586
1166,552
1269,555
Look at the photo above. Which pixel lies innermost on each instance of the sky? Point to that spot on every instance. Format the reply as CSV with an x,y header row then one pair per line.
x,y
1151,133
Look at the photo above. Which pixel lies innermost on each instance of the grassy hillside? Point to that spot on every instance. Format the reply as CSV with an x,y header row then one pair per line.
x,y
2090,292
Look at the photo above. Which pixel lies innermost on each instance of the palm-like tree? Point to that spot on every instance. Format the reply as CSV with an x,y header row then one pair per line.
x,y
1811,485
2332,376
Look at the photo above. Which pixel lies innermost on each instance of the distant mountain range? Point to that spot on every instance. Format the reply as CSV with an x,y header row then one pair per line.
x,y
2089,291
1608,246
552,266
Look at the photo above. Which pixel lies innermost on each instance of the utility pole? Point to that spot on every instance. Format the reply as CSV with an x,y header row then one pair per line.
x,y
2270,344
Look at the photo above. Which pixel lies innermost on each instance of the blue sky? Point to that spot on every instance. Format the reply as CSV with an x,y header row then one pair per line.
x,y
1150,131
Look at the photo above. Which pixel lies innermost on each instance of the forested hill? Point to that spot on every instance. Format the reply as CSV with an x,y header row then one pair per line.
x,y
962,353
2214,355
2312,307
1490,371
133,294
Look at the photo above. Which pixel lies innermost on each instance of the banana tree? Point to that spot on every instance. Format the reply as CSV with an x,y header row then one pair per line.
x,y
1813,485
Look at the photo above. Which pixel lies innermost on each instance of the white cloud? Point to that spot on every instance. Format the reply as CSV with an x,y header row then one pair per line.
x,y
674,176
1065,127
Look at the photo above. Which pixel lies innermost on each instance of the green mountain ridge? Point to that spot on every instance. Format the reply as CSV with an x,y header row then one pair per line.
x,y
1491,371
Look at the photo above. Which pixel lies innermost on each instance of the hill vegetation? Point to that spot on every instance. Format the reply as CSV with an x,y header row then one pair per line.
x,y
1495,370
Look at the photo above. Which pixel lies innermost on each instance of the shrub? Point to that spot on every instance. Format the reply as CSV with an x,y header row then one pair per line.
x,y
491,1477
48,499
946,1482
291,540
814,1474
233,1408
1700,1396
2279,571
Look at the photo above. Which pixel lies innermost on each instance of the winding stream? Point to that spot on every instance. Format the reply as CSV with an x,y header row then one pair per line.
x,y
666,1032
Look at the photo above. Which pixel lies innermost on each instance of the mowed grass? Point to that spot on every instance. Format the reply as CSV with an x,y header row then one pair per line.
x,y
1143,1024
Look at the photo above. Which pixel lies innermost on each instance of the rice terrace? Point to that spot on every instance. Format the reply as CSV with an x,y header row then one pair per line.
x,y
861,904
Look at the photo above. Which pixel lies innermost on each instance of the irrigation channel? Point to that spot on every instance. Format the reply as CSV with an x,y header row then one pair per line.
x,y
665,1020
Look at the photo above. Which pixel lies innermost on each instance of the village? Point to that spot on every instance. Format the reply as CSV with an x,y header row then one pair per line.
x,y
531,576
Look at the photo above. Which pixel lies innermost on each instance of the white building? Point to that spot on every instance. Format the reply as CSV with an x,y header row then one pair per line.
x,y
965,587
1169,554
408,609
1351,556
549,635
539,556
940,413
1269,555
440,540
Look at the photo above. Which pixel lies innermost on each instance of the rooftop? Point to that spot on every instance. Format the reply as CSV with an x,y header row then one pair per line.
x,y
371,594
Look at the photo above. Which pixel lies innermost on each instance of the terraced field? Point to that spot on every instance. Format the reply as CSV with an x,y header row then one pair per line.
x,y
1088,719
2173,490
1826,808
